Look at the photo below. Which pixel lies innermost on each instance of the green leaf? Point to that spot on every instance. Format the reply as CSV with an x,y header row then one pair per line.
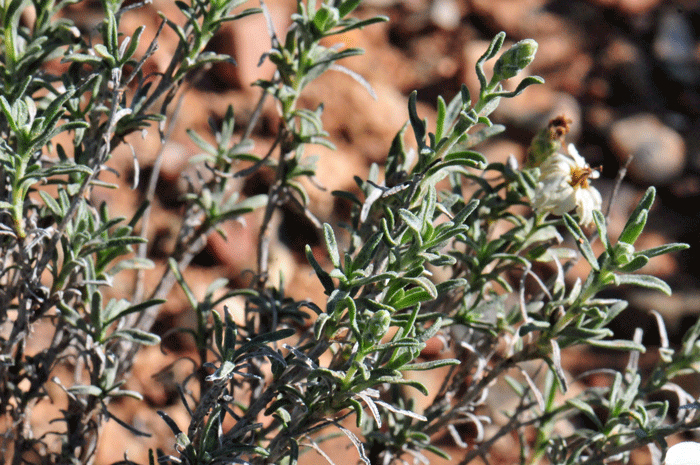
x,y
133,44
440,122
359,24
266,338
211,57
331,245
51,204
201,143
578,333
468,159
320,326
414,384
364,256
323,276
599,220
83,58
242,14
636,263
425,284
423,366
439,452
584,246
524,84
112,317
172,425
85,390
102,51
410,298
137,336
418,125
638,218
412,221
663,249
347,7
493,48
359,411
586,409
643,280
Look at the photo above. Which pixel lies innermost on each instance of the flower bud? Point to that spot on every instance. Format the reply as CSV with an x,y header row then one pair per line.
x,y
326,18
623,253
379,324
514,60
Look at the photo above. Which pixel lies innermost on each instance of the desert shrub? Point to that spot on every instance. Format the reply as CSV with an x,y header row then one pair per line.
x,y
441,245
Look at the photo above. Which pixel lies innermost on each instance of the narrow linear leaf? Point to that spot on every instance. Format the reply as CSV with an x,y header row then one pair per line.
x,y
637,220
331,245
417,124
136,335
584,246
85,390
423,366
663,249
617,344
586,409
599,220
411,220
643,280
323,276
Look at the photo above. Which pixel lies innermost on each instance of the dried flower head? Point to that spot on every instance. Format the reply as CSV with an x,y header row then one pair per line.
x,y
548,141
563,186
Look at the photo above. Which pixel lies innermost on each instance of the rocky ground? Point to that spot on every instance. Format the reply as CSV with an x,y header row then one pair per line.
x,y
626,72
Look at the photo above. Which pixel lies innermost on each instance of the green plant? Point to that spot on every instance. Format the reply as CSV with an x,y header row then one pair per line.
x,y
423,262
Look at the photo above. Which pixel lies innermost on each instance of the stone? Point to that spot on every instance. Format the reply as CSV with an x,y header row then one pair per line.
x,y
659,151
674,46
352,115
637,7
627,68
445,14
518,18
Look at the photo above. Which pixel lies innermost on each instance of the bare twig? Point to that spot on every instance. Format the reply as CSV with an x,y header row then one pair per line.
x,y
150,194
622,172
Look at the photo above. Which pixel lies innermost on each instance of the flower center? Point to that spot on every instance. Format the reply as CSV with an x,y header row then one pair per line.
x,y
579,177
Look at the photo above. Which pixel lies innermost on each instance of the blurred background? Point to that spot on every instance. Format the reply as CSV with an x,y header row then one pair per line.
x,y
625,72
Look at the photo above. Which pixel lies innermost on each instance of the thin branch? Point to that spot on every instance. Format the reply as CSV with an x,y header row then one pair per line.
x,y
150,195
622,172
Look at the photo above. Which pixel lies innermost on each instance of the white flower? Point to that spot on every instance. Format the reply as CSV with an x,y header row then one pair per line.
x,y
683,453
563,186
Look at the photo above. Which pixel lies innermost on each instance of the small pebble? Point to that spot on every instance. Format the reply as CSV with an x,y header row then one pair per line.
x,y
674,46
445,14
659,151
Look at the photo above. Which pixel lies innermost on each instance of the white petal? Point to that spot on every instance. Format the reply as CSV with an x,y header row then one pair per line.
x,y
565,204
578,159
557,165
554,195
587,200
683,453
